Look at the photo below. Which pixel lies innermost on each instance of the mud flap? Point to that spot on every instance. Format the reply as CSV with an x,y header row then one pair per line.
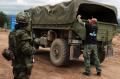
x,y
108,50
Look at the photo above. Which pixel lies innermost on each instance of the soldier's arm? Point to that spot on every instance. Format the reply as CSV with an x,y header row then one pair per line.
x,y
82,23
27,49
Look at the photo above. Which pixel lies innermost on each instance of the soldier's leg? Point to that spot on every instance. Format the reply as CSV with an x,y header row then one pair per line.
x,y
86,58
29,69
24,75
96,62
15,72
20,72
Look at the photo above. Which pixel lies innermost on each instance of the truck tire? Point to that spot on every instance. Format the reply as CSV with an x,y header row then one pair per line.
x,y
101,55
59,53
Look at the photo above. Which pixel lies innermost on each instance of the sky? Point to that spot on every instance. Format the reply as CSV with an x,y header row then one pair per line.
x,y
15,6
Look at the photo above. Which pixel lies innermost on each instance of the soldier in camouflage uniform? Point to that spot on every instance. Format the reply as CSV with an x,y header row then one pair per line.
x,y
22,48
90,47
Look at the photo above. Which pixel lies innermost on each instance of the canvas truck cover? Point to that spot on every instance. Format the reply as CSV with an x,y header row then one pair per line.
x,y
66,12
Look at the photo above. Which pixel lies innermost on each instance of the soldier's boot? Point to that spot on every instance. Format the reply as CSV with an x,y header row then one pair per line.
x,y
86,73
98,73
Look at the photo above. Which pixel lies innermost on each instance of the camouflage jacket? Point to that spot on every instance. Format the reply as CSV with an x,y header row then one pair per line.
x,y
20,43
23,40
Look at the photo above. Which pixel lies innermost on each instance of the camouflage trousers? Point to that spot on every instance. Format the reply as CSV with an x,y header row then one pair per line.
x,y
91,49
21,72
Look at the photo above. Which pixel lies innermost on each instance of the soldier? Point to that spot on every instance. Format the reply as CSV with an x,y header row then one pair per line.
x,y
90,47
22,48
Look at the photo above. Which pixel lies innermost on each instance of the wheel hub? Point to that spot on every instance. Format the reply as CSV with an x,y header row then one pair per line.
x,y
56,53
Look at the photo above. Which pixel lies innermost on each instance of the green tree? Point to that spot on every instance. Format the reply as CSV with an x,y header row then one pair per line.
x,y
3,19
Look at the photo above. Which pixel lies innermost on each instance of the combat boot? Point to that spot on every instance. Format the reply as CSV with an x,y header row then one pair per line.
x,y
86,73
98,73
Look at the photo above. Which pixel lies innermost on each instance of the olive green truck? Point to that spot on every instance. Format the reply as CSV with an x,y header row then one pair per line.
x,y
56,28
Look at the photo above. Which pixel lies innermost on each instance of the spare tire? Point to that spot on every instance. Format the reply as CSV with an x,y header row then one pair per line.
x,y
59,53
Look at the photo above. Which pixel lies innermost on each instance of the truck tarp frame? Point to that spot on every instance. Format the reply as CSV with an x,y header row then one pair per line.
x,y
66,12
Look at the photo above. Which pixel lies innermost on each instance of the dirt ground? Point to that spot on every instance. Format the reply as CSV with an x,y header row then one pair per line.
x,y
43,69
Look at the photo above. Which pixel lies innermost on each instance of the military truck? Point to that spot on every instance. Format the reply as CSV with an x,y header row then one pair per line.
x,y
56,27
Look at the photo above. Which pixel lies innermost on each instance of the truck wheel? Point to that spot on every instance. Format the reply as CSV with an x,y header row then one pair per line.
x,y
59,54
101,55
